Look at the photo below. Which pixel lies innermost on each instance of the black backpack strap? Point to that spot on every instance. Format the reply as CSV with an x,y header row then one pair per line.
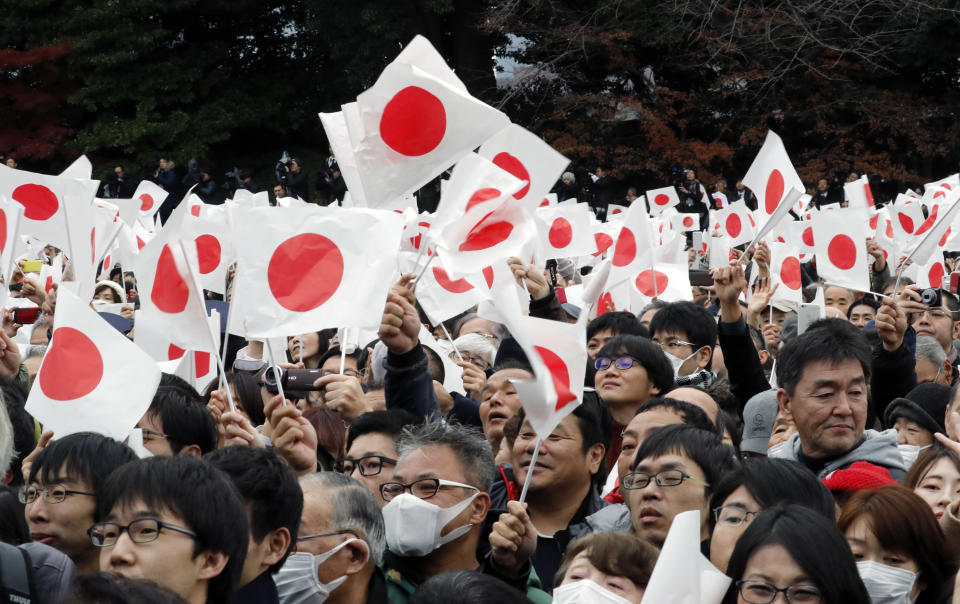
x,y
15,574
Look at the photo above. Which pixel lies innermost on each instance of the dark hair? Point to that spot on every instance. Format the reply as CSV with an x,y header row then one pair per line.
x,y
771,481
13,524
815,544
331,434
390,422
360,354
323,342
863,302
268,486
186,420
618,323
619,554
695,321
690,413
466,586
434,364
82,456
654,361
107,588
830,340
902,521
116,298
200,494
927,458
247,391
704,448
24,429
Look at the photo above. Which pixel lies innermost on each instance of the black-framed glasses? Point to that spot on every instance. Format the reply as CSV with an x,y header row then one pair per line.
x,y
622,363
425,488
330,534
143,530
761,592
55,493
664,478
149,435
732,515
369,465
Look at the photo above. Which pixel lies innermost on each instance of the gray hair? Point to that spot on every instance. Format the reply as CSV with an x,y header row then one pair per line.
x,y
478,344
468,444
354,508
928,348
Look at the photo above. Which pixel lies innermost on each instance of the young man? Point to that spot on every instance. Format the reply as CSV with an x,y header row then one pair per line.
x,y
372,449
610,325
499,400
177,422
688,334
64,486
176,521
274,503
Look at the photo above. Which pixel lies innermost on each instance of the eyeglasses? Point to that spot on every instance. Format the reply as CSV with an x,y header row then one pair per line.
x,y
673,344
144,530
732,515
370,465
622,363
761,592
425,488
664,478
346,371
331,534
149,435
52,494
934,313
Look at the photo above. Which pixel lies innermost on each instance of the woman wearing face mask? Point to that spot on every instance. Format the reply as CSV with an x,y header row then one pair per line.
x,y
606,568
935,477
791,553
900,550
916,418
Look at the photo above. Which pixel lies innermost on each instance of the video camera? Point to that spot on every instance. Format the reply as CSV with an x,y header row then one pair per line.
x,y
283,167
293,381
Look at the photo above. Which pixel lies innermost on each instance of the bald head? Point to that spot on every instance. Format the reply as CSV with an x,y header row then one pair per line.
x,y
697,397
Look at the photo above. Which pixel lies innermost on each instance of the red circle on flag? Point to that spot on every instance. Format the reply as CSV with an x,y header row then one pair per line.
x,y
603,242
140,243
873,222
842,252
626,249
480,196
946,235
790,273
39,202
146,202
413,122
774,191
560,374
661,199
174,352
511,164
936,275
208,253
93,244
3,231
808,236
485,235
201,363
925,226
649,287
169,292
939,194
195,210
72,368
905,221
561,233
544,203
733,225
305,271
488,276
688,221
443,280
889,230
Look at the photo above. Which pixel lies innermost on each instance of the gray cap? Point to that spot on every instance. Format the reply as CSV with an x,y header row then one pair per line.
x,y
759,415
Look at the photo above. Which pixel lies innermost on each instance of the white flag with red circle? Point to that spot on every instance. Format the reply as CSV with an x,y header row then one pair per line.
x,y
662,198
932,234
565,231
667,282
604,236
82,250
841,250
935,191
785,272
906,217
526,156
858,193
633,250
772,174
736,223
685,222
475,182
43,198
214,251
928,274
307,269
442,296
10,216
149,197
200,365
92,377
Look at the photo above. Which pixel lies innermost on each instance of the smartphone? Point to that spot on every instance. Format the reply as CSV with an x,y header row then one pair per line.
x,y
26,316
32,266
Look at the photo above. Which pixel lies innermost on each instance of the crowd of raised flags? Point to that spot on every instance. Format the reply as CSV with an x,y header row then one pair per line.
x,y
298,268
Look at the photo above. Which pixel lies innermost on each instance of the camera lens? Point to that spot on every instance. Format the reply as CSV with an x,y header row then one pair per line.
x,y
929,297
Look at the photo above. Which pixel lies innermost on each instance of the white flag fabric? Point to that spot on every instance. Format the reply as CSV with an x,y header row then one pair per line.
x,y
150,196
335,126
667,282
634,246
442,297
906,217
785,273
43,198
736,223
306,269
525,155
80,168
682,574
932,232
10,215
661,199
565,231
840,242
772,174
92,377
214,250
858,193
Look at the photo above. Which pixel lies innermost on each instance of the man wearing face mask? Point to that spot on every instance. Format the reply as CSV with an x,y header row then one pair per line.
x,y
437,507
339,544
687,333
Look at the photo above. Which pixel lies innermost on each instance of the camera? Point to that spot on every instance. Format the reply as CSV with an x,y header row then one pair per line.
x,y
283,167
293,381
931,297
676,178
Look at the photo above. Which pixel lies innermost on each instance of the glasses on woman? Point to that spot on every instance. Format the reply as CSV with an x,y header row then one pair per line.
x,y
761,592
732,515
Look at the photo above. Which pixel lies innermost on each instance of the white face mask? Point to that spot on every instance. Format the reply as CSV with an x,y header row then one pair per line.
x,y
778,450
135,442
678,363
886,584
587,592
909,453
414,525
297,579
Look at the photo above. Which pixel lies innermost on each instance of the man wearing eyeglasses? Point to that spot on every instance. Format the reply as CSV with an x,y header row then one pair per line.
x,y
64,484
176,521
371,448
687,333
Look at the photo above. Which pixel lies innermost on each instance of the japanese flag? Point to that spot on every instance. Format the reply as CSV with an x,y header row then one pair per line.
x,y
736,223
661,199
906,216
772,174
306,269
201,366
932,235
10,217
474,183
785,271
685,222
43,198
633,251
565,231
858,193
335,126
934,192
930,273
149,196
668,282
442,297
840,243
80,168
604,236
92,378
525,155
214,249
411,126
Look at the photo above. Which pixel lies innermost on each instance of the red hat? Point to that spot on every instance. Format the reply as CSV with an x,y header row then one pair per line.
x,y
859,476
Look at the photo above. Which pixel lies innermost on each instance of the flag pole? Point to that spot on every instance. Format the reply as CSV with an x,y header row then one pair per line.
x,y
450,339
413,285
533,464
